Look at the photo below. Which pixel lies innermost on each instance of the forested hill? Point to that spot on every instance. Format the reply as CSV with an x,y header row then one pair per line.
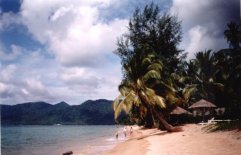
x,y
98,112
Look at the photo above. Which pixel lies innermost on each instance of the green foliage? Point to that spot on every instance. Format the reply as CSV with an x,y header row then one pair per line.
x,y
41,113
151,32
150,43
156,77
217,75
188,91
233,35
224,126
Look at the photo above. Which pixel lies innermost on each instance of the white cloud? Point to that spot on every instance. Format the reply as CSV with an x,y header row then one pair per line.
x,y
73,31
22,79
5,91
35,86
92,83
8,19
201,40
34,77
7,72
3,87
80,80
24,91
15,52
81,42
204,22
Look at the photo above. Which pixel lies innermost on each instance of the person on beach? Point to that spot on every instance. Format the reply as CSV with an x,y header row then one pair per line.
x,y
131,130
116,135
124,130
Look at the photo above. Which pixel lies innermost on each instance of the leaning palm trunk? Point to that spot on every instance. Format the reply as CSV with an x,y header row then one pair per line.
x,y
149,122
166,125
150,118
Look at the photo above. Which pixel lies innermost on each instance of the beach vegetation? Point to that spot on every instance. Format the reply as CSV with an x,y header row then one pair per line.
x,y
224,126
217,74
147,91
157,77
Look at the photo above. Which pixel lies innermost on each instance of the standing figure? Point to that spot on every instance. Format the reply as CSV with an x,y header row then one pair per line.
x,y
116,135
124,130
131,130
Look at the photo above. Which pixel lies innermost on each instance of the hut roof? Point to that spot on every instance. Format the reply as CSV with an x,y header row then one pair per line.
x,y
178,111
202,104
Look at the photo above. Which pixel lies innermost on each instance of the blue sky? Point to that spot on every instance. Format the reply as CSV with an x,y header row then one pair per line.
x,y
60,50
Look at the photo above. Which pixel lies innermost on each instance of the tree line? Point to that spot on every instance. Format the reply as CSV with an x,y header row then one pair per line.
x,y
157,77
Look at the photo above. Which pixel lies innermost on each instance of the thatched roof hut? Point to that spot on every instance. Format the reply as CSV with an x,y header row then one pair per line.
x,y
178,111
202,104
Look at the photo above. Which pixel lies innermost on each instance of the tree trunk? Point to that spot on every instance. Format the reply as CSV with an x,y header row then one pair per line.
x,y
149,119
167,126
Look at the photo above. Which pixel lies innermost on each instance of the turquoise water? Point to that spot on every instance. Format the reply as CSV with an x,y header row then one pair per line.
x,y
55,140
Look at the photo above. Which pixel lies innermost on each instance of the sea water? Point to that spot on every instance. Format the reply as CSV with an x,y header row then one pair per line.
x,y
57,139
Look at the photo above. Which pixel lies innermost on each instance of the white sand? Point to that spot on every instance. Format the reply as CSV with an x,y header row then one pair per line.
x,y
192,141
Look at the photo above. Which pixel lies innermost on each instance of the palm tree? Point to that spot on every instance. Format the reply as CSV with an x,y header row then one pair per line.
x,y
229,74
137,97
204,72
233,35
149,55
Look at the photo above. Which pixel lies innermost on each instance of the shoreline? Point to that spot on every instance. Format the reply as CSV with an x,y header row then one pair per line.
x,y
101,145
192,140
129,146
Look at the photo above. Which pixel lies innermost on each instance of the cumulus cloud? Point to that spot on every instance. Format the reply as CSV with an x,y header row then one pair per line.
x,y
25,77
81,42
12,55
5,91
8,19
73,31
7,72
76,62
80,80
204,22
34,77
87,81
22,91
200,39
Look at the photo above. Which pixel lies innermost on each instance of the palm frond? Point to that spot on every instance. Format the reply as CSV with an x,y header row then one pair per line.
x,y
146,61
150,94
155,99
139,83
126,104
118,110
168,87
217,85
151,74
124,89
155,66
116,102
137,101
188,91
171,98
160,101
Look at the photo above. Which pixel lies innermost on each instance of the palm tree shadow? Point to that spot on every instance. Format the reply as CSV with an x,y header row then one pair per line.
x,y
158,133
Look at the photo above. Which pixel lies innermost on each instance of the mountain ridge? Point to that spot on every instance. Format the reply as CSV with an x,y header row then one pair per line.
x,y
90,112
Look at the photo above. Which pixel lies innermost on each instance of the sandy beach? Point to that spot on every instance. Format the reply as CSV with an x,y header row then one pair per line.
x,y
193,140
